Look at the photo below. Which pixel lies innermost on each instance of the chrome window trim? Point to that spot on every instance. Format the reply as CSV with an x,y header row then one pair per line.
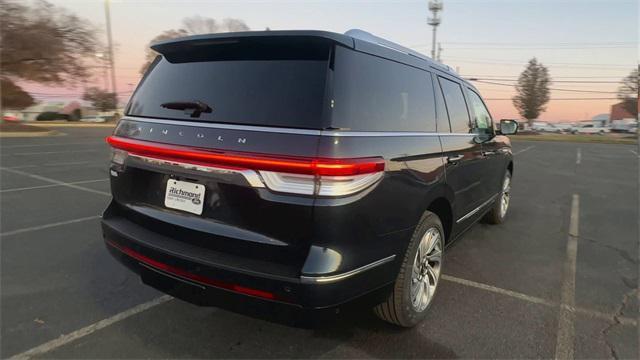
x,y
345,275
329,133
474,211
251,176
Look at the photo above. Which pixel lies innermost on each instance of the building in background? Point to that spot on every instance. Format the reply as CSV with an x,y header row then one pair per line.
x,y
618,112
601,120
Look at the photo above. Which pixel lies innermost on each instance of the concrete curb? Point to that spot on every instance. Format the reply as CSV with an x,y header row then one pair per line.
x,y
47,124
19,134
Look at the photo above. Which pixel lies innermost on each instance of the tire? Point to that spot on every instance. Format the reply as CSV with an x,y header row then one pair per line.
x,y
497,213
401,308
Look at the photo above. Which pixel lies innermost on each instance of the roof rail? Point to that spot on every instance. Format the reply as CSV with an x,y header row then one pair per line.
x,y
368,37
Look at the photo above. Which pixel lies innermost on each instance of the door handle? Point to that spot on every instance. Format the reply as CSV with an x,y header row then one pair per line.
x,y
487,153
454,159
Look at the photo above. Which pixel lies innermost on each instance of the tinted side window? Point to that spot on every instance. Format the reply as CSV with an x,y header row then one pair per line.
x,y
375,94
456,106
482,117
441,109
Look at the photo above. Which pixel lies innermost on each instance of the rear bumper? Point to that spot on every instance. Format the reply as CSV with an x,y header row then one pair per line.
x,y
213,279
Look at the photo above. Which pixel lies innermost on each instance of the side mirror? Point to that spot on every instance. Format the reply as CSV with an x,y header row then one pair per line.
x,y
508,127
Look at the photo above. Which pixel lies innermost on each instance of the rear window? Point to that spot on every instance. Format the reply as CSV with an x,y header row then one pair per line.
x,y
286,92
375,94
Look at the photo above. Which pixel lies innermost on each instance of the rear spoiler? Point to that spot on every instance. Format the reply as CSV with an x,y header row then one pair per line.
x,y
259,37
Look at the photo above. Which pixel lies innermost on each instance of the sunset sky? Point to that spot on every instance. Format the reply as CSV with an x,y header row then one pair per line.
x,y
587,45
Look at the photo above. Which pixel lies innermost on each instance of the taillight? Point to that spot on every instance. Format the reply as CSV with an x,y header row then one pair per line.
x,y
118,156
296,175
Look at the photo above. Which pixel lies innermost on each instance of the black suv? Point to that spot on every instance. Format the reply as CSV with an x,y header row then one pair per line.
x,y
301,170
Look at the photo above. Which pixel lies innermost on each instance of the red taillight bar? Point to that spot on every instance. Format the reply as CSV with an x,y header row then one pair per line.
x,y
191,276
310,166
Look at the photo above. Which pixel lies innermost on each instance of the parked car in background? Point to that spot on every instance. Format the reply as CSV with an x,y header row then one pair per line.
x,y
10,118
543,126
539,125
563,127
623,125
589,129
94,118
309,195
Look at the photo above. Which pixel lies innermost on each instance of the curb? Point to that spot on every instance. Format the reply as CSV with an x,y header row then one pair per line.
x,y
18,134
46,124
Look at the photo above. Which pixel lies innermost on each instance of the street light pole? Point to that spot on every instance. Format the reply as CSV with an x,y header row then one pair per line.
x,y
434,6
111,60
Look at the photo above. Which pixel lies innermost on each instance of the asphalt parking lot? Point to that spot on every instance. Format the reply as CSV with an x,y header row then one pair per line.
x,y
558,279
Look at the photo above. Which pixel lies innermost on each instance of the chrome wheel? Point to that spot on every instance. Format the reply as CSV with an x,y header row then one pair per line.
x,y
426,269
504,197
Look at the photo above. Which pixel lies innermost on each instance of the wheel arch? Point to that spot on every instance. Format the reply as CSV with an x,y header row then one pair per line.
x,y
441,206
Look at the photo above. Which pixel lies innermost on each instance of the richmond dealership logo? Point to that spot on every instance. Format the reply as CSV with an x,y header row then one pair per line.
x,y
187,195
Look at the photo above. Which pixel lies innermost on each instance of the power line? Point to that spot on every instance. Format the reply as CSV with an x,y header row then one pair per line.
x,y
555,77
578,66
546,63
556,89
544,43
562,99
555,81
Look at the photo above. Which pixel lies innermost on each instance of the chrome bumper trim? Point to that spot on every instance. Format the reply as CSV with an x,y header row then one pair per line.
x,y
345,275
251,176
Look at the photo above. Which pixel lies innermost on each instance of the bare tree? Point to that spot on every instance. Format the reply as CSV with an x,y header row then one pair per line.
x,y
193,26
199,25
628,92
100,99
233,25
532,91
41,43
13,97
149,54
44,43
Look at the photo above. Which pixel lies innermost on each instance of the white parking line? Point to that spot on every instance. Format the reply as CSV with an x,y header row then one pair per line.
x,y
566,329
88,330
51,144
51,185
53,152
537,300
65,339
634,152
46,226
579,156
53,164
54,181
523,150
497,290
70,163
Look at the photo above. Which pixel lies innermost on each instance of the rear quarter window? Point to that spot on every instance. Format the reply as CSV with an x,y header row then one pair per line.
x,y
376,94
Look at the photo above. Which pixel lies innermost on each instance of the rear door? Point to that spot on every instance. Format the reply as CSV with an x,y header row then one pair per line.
x,y
464,166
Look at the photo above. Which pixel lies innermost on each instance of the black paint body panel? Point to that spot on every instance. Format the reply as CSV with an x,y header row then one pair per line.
x,y
276,242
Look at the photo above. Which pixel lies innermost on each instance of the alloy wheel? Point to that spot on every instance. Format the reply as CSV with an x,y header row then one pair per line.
x,y
426,269
505,195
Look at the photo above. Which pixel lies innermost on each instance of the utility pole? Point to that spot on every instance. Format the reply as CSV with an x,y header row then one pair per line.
x,y
439,57
110,41
434,6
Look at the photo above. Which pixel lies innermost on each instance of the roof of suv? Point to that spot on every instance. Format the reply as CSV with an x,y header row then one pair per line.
x,y
355,39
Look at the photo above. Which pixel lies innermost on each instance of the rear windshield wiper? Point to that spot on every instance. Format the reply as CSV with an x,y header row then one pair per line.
x,y
193,108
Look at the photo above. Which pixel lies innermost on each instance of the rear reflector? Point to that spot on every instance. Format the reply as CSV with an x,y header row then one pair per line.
x,y
191,276
297,165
